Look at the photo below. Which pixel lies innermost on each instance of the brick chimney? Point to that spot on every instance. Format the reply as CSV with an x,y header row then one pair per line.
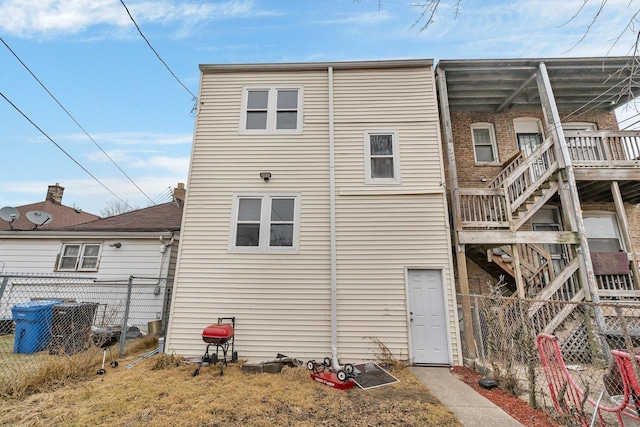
x,y
54,194
179,193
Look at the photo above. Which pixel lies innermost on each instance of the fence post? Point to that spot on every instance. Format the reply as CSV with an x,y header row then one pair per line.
x,y
628,342
479,338
123,334
3,286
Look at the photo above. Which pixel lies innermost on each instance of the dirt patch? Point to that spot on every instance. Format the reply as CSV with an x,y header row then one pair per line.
x,y
517,408
161,391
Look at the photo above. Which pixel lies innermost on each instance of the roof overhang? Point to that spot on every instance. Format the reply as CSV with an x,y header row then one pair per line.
x,y
578,83
315,66
79,235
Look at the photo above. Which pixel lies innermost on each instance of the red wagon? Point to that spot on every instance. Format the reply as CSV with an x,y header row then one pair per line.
x,y
220,335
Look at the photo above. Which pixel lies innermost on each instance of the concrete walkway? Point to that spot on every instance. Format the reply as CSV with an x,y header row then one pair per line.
x,y
471,408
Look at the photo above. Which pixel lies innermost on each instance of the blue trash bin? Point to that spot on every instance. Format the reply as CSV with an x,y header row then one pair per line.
x,y
33,325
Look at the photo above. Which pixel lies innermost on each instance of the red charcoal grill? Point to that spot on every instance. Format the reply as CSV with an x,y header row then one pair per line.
x,y
219,335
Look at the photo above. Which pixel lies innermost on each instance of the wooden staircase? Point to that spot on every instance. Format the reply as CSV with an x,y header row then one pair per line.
x,y
527,187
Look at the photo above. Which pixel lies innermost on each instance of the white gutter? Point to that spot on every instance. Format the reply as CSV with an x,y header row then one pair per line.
x,y
332,220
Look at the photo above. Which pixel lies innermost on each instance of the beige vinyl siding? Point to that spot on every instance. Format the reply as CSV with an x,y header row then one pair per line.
x,y
280,301
382,230
376,242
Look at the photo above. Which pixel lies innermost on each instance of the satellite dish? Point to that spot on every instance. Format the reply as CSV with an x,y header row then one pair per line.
x,y
39,218
9,215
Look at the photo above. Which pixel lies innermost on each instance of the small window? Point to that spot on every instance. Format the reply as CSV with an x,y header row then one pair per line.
x,y
579,126
382,159
79,257
602,232
484,143
265,223
272,110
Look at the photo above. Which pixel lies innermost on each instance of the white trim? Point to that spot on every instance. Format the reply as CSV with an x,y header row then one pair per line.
x,y
492,136
265,221
445,302
528,125
80,256
614,220
580,126
271,109
368,179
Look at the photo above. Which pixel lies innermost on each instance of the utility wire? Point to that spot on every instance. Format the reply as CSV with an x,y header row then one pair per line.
x,y
72,118
165,195
154,51
63,150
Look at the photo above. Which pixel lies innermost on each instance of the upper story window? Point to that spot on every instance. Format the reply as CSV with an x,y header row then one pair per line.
x,y
265,223
579,126
272,110
484,143
79,257
382,158
602,232
529,134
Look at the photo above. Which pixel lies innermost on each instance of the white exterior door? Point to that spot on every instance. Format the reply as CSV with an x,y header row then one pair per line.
x,y
429,343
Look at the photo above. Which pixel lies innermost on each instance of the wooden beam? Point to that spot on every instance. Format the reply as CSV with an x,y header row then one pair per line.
x,y
517,271
606,174
461,258
515,93
463,280
445,118
623,222
502,237
586,274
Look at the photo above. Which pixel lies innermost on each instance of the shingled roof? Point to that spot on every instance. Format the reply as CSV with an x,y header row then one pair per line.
x,y
63,216
164,217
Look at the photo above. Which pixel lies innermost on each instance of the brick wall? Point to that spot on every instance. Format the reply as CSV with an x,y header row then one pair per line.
x,y
632,212
471,174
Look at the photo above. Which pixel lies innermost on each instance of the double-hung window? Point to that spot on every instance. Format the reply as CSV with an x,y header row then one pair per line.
x,y
265,223
602,232
484,143
382,158
272,110
79,257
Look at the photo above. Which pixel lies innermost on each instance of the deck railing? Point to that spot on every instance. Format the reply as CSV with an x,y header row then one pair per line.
x,y
493,207
604,148
484,208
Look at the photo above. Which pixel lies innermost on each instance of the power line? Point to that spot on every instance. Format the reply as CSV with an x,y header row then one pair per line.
x,y
164,195
72,118
154,51
62,149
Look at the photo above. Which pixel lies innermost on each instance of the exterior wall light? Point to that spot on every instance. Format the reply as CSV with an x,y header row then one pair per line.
x,y
265,175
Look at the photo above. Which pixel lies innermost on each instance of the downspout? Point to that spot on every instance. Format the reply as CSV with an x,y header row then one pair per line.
x,y
163,251
332,220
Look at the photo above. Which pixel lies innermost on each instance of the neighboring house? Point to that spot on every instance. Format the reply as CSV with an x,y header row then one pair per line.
x,y
316,214
141,243
62,215
543,185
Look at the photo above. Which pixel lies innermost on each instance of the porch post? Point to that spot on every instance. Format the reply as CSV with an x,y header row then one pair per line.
x,y
553,121
452,188
624,230
515,255
552,118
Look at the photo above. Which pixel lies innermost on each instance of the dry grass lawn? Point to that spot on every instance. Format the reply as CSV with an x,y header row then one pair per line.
x,y
160,391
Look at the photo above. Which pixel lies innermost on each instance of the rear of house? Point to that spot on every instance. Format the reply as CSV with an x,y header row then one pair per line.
x,y
316,214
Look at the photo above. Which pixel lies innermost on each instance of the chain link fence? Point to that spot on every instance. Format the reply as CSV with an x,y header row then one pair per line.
x,y
44,317
504,347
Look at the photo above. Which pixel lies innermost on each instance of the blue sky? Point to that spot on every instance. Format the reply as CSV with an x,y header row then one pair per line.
x,y
90,56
